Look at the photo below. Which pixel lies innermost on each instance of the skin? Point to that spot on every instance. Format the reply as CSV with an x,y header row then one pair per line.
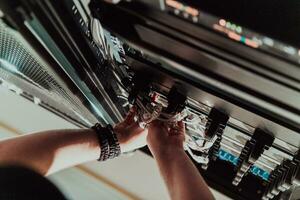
x,y
51,151
179,173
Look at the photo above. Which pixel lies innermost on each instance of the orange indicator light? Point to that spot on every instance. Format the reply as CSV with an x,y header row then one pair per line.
x,y
174,4
234,36
220,28
179,6
192,11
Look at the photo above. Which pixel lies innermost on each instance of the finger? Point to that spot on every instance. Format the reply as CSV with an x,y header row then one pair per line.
x,y
155,123
181,126
177,128
174,129
158,127
165,127
129,119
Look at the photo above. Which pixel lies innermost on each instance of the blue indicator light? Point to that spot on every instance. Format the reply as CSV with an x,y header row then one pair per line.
x,y
260,172
223,155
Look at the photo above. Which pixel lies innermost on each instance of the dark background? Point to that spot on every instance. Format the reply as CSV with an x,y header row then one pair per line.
x,y
279,19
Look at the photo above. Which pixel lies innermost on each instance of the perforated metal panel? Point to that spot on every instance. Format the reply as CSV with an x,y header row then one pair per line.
x,y
19,67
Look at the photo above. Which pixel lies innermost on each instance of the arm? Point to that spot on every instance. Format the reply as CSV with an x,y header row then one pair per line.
x,y
51,151
180,175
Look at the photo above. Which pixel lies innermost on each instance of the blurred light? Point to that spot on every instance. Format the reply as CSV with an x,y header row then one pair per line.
x,y
222,22
243,39
185,15
228,25
195,19
234,36
268,41
218,28
251,43
258,41
174,4
239,29
192,11
221,28
289,50
233,27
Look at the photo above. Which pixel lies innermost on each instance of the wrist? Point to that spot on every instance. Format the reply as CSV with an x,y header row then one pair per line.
x,y
122,140
167,153
108,142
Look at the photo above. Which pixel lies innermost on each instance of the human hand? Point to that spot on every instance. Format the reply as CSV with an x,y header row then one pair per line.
x,y
164,138
130,135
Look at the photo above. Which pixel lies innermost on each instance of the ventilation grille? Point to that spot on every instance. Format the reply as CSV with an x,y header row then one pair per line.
x,y
17,60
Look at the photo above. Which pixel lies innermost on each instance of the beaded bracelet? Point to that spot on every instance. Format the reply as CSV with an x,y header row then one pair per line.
x,y
114,146
109,144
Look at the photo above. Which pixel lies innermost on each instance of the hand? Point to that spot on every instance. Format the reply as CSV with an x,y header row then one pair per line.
x,y
130,135
163,138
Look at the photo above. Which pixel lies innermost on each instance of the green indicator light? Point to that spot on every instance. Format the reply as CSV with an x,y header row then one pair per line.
x,y
243,39
233,27
239,29
228,25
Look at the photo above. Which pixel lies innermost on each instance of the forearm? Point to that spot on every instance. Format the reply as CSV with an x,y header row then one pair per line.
x,y
182,177
50,151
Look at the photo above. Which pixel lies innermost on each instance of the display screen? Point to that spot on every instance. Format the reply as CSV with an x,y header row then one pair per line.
x,y
233,30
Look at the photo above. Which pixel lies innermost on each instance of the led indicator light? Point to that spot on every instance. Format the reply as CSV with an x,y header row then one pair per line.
x,y
260,172
289,50
222,22
228,25
234,36
223,155
185,15
195,19
238,29
243,39
233,27
251,43
268,41
174,4
192,11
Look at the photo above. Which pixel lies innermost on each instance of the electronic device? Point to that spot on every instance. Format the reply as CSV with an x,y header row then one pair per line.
x,y
229,71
